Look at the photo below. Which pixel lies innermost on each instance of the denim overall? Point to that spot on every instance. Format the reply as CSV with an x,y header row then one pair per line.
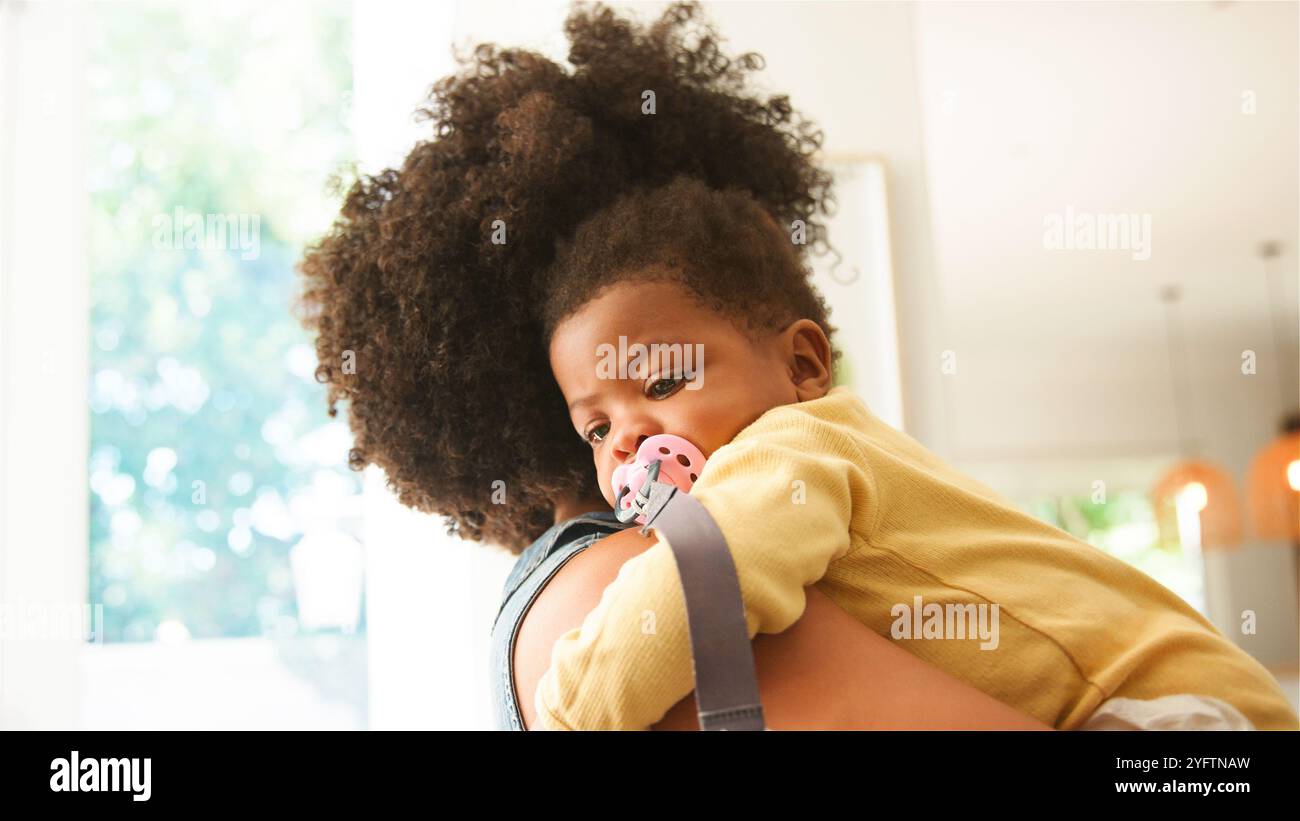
x,y
534,568
726,684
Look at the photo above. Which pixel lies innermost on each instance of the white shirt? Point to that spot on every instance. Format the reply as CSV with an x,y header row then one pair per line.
x,y
1181,712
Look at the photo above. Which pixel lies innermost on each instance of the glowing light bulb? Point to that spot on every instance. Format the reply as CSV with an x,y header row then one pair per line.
x,y
1194,496
1293,475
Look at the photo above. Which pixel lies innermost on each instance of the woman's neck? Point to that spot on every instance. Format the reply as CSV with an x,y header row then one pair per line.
x,y
569,508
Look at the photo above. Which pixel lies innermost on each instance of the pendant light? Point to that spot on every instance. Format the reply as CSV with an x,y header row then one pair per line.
x,y
1273,481
1196,501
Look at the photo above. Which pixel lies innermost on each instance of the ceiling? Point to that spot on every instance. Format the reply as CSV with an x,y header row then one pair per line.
x,y
1126,108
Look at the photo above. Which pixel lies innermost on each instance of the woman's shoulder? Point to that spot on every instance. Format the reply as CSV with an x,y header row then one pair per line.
x,y
558,601
557,537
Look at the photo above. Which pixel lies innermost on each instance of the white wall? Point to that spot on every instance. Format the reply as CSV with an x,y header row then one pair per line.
x,y
44,361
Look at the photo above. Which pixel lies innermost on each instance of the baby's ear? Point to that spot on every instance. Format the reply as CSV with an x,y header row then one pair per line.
x,y
809,358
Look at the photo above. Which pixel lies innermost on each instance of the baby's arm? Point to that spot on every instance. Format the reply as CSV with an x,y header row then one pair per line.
x,y
785,510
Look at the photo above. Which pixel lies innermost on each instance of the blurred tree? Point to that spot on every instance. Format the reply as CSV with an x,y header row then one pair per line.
x,y
210,445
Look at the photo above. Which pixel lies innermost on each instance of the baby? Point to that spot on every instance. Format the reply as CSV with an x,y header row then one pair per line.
x,y
808,486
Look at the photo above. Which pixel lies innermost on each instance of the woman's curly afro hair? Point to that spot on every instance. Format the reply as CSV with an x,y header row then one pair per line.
x,y
422,295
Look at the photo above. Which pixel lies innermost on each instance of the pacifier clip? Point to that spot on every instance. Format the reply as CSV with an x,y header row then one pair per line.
x,y
726,684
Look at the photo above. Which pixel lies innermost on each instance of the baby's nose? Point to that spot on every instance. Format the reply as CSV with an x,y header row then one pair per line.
x,y
626,447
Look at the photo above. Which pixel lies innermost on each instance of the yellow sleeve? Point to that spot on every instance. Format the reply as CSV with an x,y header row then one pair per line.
x,y
784,498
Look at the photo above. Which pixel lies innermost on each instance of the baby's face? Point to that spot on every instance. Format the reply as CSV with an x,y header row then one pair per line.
x,y
729,380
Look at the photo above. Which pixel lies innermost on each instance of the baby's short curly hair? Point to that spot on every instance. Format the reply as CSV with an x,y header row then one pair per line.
x,y
424,295
721,245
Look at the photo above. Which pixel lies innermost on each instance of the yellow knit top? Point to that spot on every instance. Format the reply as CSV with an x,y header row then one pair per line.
x,y
825,492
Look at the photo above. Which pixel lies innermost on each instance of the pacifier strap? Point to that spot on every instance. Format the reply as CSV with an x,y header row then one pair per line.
x,y
726,684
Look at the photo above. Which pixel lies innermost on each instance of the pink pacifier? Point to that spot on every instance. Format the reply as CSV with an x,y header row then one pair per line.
x,y
679,464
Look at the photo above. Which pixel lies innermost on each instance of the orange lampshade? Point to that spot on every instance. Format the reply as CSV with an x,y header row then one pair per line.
x,y
1206,490
1273,487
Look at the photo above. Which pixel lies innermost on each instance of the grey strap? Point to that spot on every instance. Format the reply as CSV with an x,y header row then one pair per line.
x,y
726,685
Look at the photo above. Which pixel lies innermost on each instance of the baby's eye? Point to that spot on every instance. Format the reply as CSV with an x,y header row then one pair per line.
x,y
664,388
595,435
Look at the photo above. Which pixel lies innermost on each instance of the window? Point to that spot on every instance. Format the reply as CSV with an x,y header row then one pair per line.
x,y
1124,525
221,507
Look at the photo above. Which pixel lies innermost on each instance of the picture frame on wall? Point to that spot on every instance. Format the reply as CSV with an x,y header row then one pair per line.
x,y
856,276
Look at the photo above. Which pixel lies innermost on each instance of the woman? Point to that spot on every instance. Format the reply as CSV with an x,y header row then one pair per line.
x,y
422,299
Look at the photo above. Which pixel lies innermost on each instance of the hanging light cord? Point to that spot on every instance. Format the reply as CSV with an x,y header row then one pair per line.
x,y
1275,301
1178,371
